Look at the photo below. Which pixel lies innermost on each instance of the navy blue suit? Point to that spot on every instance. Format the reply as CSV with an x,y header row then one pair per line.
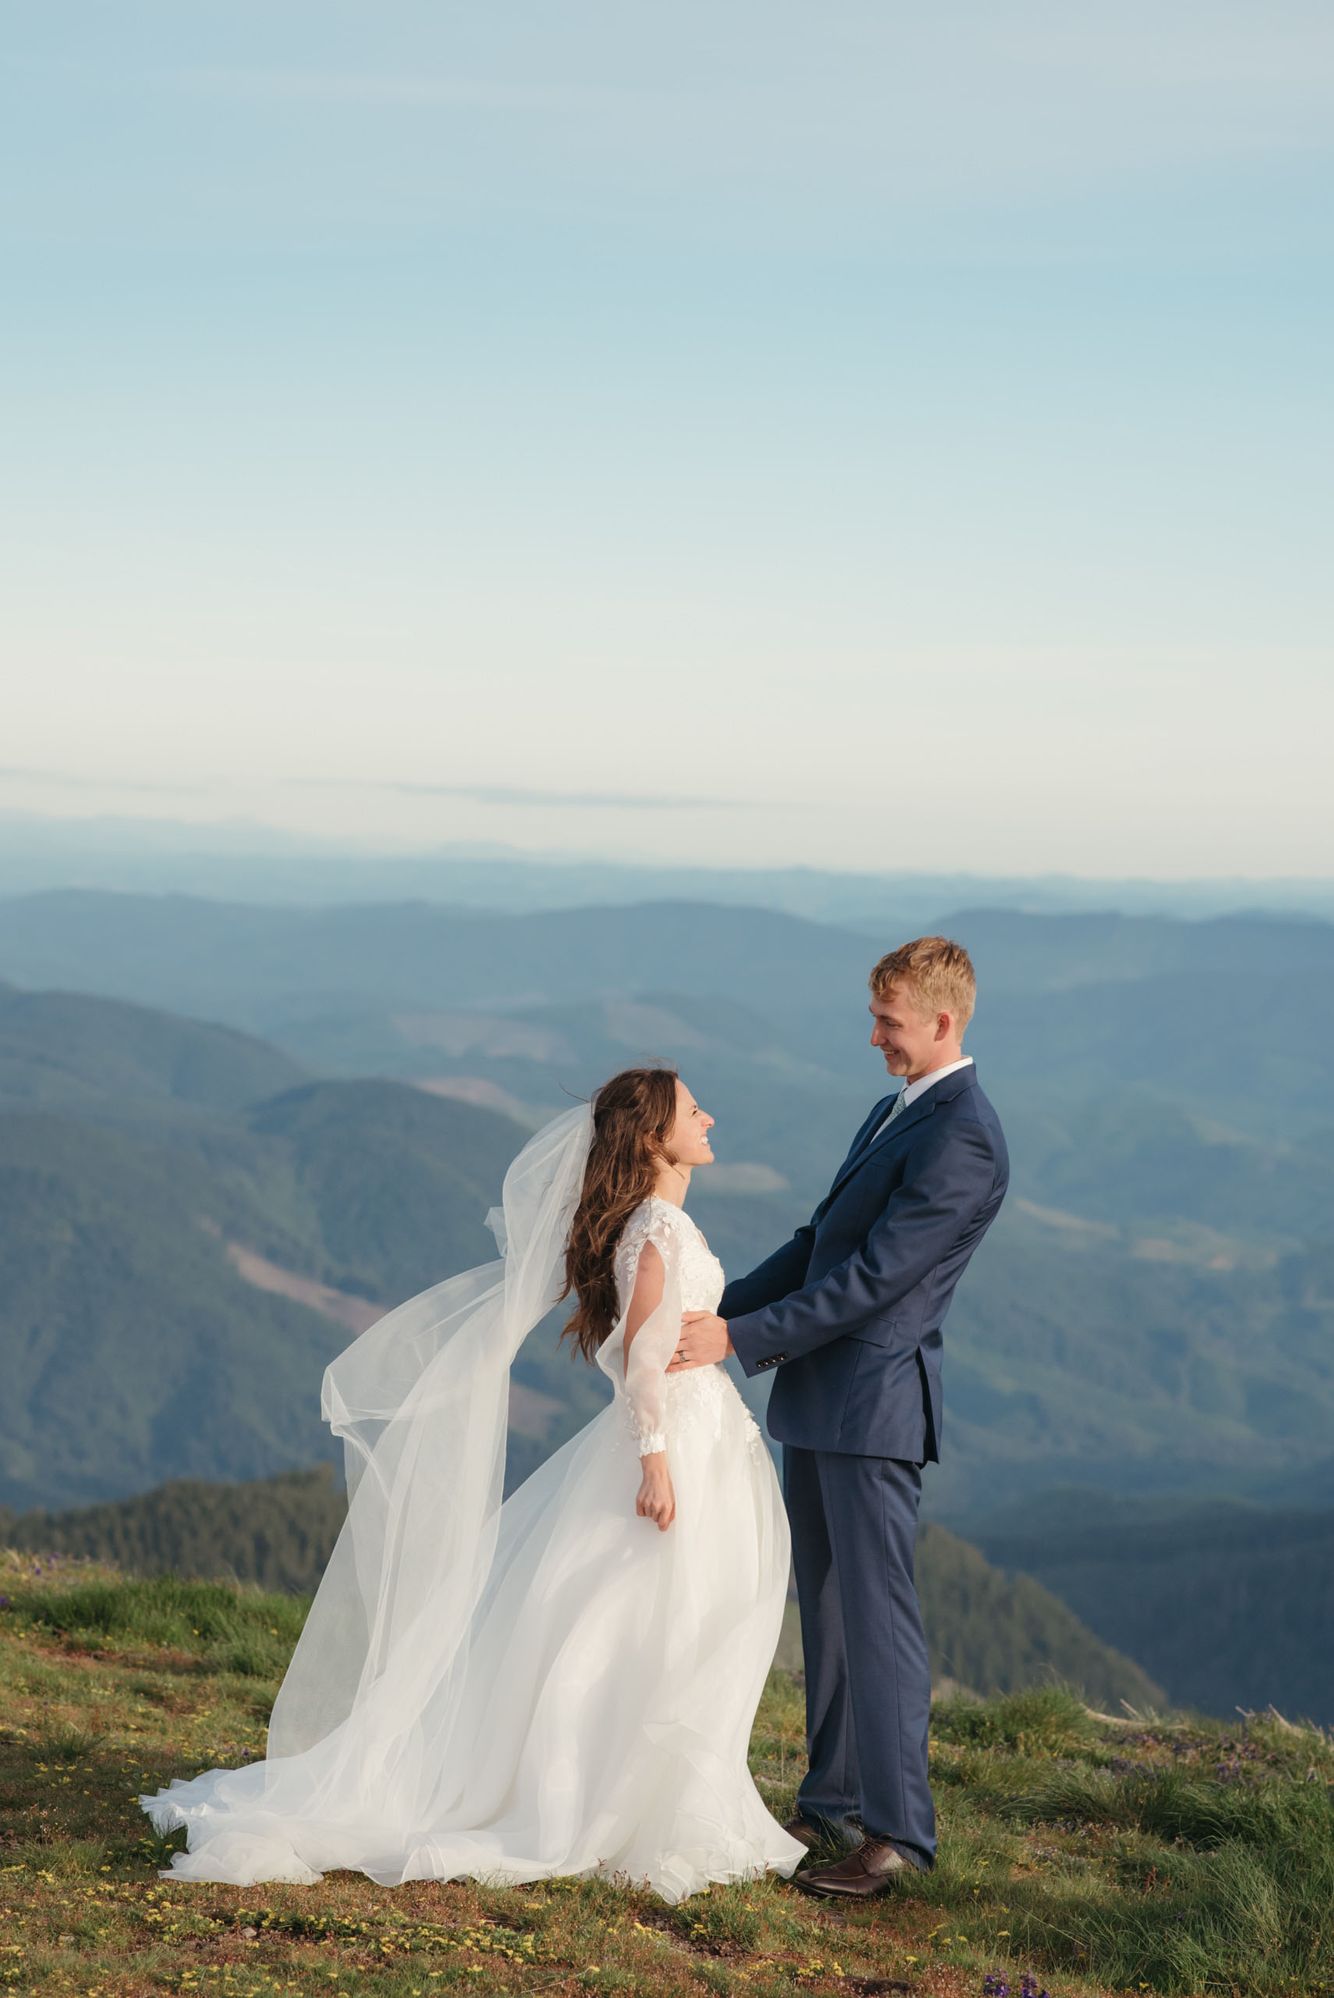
x,y
850,1312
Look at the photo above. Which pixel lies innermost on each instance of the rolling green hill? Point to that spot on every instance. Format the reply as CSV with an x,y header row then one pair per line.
x,y
73,1052
131,1345
396,1182
1076,1356
170,1296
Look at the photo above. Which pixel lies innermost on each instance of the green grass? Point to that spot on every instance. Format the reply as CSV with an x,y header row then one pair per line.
x,y
1152,1853
220,1629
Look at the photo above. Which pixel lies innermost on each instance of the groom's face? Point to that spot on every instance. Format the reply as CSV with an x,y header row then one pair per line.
x,y
908,1039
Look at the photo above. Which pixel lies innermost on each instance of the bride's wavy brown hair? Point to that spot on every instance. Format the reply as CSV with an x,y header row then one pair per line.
x,y
632,1114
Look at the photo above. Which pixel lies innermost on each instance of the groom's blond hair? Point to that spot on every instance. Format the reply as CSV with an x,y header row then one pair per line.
x,y
937,976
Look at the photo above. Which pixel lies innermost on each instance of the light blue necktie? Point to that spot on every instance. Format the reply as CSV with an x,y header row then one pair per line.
x,y
894,1111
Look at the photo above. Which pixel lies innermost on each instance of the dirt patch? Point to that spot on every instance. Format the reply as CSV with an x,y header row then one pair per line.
x,y
343,1305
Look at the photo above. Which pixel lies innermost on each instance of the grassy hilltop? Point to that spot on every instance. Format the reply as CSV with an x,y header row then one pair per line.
x,y
1089,1853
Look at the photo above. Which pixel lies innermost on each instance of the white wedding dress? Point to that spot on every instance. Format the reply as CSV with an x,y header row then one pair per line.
x,y
592,1712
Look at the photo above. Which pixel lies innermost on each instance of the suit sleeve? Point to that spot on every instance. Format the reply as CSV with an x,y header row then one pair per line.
x,y
952,1175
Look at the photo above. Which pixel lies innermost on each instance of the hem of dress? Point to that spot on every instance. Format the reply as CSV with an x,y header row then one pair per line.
x,y
672,1885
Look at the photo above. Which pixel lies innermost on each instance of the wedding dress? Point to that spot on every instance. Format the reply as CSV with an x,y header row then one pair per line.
x,y
548,1686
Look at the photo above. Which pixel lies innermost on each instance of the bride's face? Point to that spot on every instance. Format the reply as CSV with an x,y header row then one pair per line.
x,y
688,1140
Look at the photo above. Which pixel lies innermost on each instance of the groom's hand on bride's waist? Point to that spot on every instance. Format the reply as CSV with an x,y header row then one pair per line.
x,y
703,1340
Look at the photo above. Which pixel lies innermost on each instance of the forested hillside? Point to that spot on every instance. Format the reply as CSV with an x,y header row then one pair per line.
x,y
1227,1604
987,1632
171,1293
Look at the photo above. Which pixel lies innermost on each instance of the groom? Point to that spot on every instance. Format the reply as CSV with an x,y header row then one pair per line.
x,y
850,1313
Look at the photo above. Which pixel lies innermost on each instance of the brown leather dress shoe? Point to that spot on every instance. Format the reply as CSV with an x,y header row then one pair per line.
x,y
802,1828
870,1868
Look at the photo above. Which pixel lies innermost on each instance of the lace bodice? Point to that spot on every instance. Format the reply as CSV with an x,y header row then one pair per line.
x,y
698,1270
660,1405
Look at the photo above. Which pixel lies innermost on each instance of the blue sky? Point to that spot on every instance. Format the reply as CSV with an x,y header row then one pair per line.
x,y
865,435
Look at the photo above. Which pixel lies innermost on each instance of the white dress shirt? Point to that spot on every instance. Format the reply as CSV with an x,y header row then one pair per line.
x,y
910,1092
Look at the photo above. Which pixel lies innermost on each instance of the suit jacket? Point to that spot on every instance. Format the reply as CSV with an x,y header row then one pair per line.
x,y
850,1311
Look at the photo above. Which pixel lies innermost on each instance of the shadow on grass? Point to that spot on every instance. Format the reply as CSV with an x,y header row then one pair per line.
x,y
66,1787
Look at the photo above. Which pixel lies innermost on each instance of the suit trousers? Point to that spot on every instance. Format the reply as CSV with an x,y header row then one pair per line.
x,y
868,1677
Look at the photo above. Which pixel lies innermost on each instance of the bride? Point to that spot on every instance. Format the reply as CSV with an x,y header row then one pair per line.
x,y
563,1683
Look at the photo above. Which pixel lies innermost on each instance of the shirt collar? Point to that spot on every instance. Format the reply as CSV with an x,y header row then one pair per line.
x,y
913,1090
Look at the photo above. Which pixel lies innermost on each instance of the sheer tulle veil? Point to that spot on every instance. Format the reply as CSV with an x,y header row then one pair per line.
x,y
421,1402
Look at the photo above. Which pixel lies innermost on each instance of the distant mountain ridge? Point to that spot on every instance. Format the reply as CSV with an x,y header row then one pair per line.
x,y
260,968
255,863
1072,1006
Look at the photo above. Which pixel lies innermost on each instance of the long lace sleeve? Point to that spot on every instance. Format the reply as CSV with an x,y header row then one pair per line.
x,y
642,1371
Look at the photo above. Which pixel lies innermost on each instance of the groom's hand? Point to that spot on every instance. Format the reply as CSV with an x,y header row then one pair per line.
x,y
703,1340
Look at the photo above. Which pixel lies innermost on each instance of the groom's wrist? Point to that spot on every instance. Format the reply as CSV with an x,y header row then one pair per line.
x,y
751,1364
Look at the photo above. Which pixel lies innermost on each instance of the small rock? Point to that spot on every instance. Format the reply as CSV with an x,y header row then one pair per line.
x,y
250,1934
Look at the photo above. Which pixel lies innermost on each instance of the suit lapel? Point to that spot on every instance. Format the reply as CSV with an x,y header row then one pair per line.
x,y
856,1150
867,1132
869,1145
905,1121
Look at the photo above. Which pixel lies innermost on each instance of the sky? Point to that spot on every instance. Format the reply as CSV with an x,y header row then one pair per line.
x,y
866,435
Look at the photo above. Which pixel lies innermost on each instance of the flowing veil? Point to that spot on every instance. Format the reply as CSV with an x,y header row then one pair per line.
x,y
421,1402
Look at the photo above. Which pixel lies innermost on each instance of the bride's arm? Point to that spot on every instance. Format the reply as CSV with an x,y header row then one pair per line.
x,y
651,1324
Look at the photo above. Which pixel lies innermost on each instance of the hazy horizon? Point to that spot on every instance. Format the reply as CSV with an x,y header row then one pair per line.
x,y
245,860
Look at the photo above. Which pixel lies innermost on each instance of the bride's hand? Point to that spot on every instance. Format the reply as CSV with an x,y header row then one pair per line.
x,y
657,1499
